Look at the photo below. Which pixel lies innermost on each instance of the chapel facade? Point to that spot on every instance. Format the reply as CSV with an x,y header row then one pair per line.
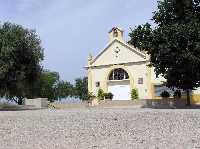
x,y
120,67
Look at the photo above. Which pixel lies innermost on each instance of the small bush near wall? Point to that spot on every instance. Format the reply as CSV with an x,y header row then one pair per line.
x,y
100,94
90,96
134,94
165,94
108,95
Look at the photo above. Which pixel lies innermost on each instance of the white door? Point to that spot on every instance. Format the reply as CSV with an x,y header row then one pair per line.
x,y
120,92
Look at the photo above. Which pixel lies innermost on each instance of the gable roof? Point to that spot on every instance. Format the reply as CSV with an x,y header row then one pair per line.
x,y
133,49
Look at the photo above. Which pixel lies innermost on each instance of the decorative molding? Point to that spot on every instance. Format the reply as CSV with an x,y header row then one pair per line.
x,y
108,65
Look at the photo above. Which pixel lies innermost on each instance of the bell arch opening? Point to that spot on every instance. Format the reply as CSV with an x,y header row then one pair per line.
x,y
118,74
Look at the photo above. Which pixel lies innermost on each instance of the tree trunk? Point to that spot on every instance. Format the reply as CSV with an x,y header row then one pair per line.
x,y
188,98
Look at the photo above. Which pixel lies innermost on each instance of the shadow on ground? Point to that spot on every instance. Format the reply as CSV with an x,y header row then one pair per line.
x,y
185,107
9,107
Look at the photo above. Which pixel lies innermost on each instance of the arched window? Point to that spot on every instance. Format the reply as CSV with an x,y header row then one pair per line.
x,y
118,74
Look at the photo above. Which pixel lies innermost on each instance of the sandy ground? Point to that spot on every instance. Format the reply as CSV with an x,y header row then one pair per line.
x,y
98,128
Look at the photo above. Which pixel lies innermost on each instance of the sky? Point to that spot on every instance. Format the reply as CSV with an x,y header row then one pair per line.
x,y
71,29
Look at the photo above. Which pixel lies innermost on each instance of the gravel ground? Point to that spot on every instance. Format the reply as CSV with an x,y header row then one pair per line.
x,y
100,129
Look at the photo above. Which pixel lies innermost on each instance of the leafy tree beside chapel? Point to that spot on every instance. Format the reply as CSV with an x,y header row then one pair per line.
x,y
173,43
81,88
20,56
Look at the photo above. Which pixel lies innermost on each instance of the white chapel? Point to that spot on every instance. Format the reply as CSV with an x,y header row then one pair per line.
x,y
120,67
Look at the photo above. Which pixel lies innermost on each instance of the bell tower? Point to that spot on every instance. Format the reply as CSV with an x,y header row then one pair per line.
x,y
115,33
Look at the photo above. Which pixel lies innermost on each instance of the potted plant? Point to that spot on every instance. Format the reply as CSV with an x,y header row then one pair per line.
x,y
134,94
100,94
108,96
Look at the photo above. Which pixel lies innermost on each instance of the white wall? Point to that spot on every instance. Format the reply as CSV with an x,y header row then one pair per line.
x,y
140,71
109,56
136,71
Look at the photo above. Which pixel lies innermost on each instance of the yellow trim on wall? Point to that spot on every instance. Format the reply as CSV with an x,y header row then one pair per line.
x,y
89,80
150,89
195,98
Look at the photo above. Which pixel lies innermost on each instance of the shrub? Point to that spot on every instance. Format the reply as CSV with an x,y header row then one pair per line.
x,y
90,96
177,94
165,94
108,95
134,94
100,94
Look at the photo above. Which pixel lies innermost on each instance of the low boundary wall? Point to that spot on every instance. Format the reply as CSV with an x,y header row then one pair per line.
x,y
163,103
37,102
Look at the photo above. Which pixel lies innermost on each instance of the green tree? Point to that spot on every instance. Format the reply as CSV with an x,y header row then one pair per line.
x,y
174,43
64,89
50,86
141,36
47,85
81,88
20,57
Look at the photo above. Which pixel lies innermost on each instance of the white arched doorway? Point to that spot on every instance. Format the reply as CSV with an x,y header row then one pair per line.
x,y
119,84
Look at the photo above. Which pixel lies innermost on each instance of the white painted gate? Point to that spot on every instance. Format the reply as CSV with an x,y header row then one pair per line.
x,y
120,92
